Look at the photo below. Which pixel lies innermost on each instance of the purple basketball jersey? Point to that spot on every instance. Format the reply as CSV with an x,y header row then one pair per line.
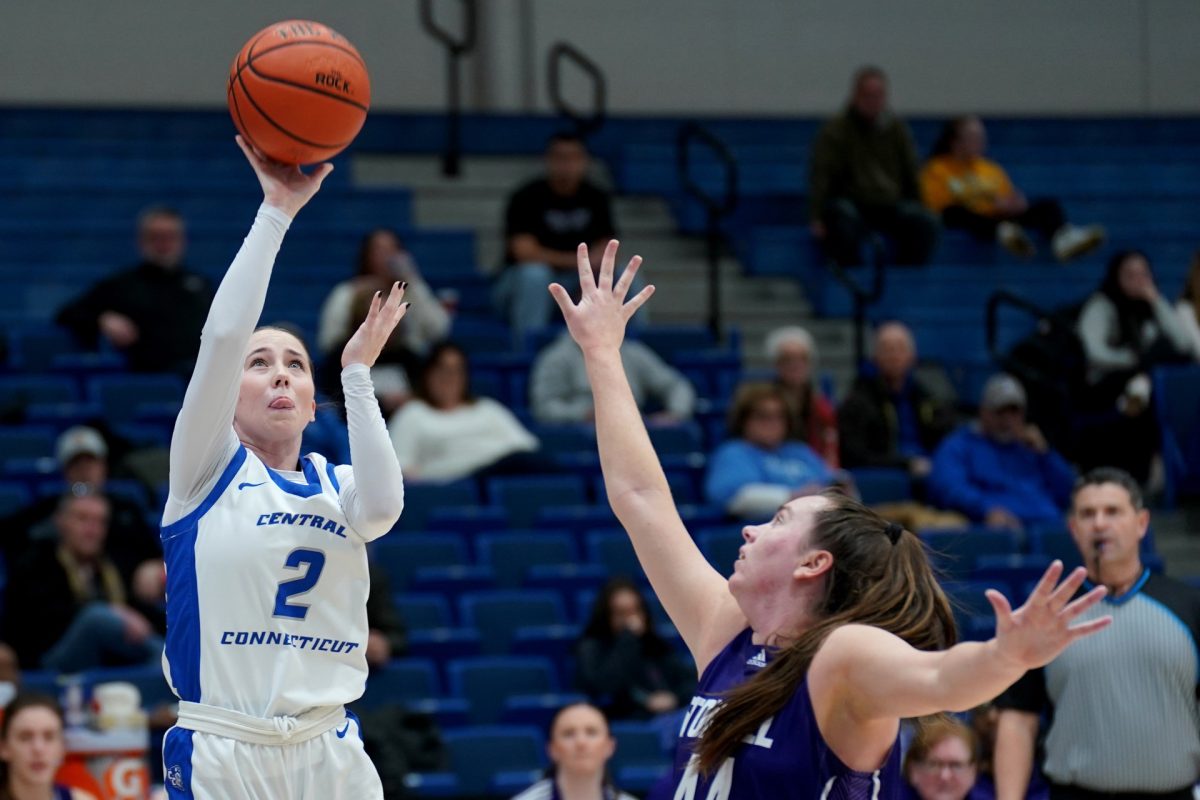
x,y
786,756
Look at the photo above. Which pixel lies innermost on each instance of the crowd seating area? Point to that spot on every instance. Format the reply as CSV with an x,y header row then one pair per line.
x,y
494,578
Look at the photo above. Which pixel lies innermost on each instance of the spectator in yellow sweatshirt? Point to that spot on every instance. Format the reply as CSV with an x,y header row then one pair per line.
x,y
975,194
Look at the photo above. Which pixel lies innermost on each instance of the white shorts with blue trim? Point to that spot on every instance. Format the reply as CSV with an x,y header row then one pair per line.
x,y
332,766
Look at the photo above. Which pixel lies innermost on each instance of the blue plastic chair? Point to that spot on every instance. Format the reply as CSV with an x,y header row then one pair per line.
x,y
423,610
26,441
401,555
421,499
536,709
401,680
612,550
497,615
954,553
444,644
13,497
1175,393
122,395
26,390
524,495
478,754
638,744
510,555
486,682
720,546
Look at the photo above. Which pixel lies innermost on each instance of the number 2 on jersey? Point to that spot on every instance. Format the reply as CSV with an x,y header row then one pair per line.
x,y
315,561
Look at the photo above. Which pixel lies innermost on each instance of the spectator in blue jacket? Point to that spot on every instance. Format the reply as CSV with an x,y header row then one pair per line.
x,y
762,465
1000,470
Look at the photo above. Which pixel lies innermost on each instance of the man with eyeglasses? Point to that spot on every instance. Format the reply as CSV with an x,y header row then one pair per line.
x,y
1121,708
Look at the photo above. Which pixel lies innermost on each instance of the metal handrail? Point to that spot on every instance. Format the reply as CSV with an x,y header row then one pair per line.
x,y
585,124
456,47
863,297
715,207
1003,297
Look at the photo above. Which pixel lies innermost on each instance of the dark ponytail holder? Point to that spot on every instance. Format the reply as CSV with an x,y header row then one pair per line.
x,y
893,532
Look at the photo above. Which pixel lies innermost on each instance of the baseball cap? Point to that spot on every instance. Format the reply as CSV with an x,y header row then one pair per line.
x,y
78,441
1002,391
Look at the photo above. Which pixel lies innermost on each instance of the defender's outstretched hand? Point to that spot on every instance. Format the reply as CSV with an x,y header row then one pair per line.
x,y
1038,631
284,186
598,320
382,318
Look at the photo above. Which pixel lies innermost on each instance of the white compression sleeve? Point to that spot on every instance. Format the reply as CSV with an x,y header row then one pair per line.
x,y
373,497
204,441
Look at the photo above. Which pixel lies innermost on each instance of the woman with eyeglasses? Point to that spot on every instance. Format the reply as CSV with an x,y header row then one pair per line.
x,y
942,761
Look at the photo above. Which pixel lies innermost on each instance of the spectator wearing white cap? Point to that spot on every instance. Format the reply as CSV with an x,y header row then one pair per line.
x,y
998,469
793,352
82,455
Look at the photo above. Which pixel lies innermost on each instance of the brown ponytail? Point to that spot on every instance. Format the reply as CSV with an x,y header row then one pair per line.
x,y
873,582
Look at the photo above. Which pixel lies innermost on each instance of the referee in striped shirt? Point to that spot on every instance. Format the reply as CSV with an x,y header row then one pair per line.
x,y
1123,720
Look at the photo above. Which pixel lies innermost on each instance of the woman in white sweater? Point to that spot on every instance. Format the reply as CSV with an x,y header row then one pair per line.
x,y
1127,328
445,433
1188,307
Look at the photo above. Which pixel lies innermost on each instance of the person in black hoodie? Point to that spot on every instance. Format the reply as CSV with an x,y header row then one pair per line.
x,y
622,662
153,312
890,419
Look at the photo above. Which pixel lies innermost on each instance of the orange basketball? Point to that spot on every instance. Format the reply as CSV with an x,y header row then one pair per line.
x,y
299,92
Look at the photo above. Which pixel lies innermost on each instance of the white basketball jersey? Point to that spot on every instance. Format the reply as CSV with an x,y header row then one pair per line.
x,y
266,594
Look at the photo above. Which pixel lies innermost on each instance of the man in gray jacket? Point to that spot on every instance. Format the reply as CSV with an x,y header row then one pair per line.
x,y
559,391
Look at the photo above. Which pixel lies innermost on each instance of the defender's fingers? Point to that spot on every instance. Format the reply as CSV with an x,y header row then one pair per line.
x,y
607,263
626,279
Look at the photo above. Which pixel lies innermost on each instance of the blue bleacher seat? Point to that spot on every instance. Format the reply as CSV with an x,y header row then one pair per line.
x,y
882,485
1011,570
676,439
444,644
422,610
13,497
402,554
23,390
1175,393
447,712
638,744
121,396
555,642
566,578
578,518
524,495
497,615
536,709
612,549
454,580
420,499
401,680
477,754
510,555
432,784
487,681
969,600
64,415
468,519
511,782
642,779
1052,544
720,546
954,552
26,441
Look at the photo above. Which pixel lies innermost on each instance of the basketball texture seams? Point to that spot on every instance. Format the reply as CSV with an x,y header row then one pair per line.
x,y
298,91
